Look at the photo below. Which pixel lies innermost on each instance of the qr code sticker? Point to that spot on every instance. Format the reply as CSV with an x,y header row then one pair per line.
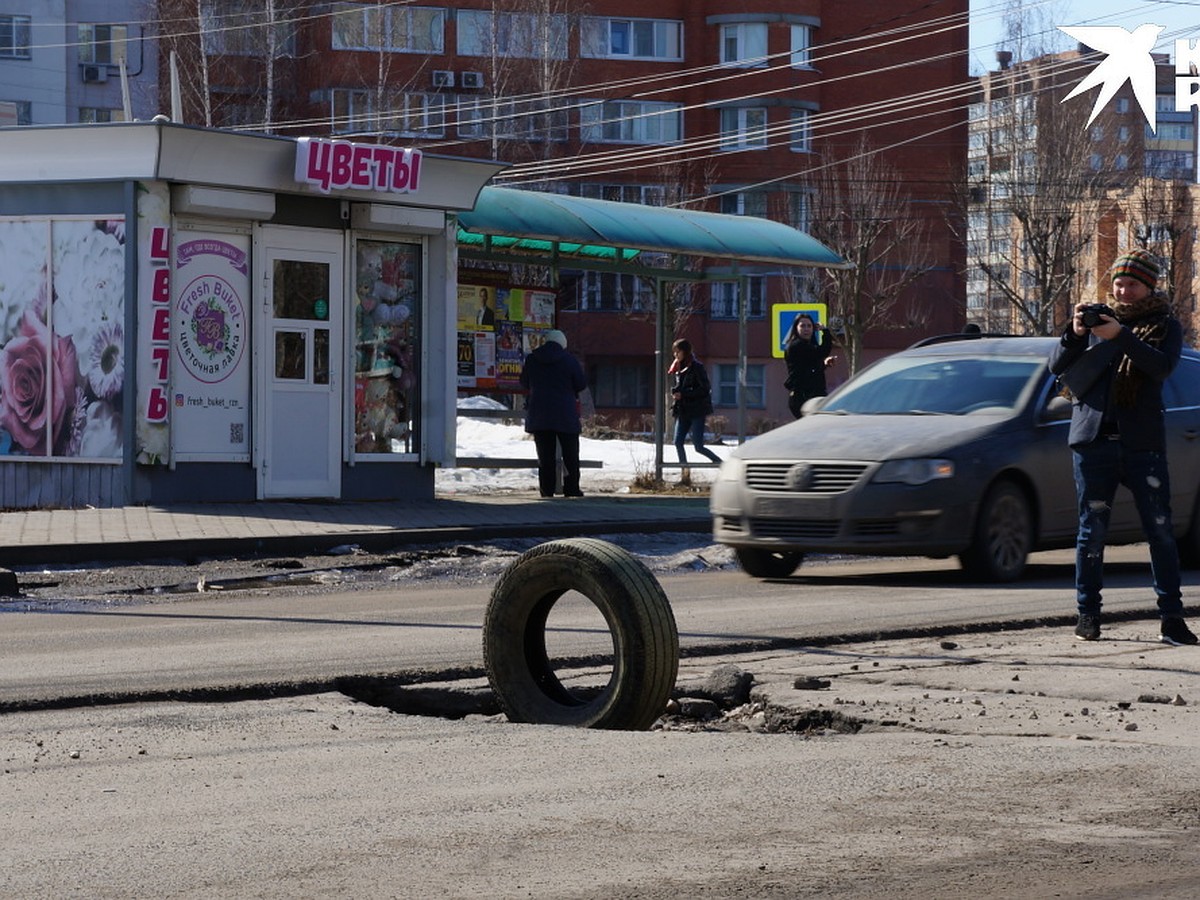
x,y
237,433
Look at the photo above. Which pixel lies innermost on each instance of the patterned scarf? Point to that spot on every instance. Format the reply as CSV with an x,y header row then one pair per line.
x,y
1147,319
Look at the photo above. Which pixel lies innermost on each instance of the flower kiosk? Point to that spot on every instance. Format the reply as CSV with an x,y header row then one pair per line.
x,y
190,314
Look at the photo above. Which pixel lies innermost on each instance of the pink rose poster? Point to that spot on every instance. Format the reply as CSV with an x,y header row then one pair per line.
x,y
62,338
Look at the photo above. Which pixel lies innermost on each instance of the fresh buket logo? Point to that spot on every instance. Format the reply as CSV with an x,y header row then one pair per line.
x,y
1129,57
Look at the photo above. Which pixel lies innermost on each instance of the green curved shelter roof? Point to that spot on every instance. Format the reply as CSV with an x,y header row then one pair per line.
x,y
538,222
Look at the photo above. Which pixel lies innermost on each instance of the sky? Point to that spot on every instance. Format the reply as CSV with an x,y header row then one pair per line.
x,y
623,460
1180,18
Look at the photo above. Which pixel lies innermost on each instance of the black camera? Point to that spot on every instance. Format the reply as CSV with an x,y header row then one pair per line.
x,y
1091,313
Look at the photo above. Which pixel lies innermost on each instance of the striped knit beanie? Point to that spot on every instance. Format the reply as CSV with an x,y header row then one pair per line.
x,y
1137,264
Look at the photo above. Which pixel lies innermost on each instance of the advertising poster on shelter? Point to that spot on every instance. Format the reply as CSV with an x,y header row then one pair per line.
x,y
210,384
510,356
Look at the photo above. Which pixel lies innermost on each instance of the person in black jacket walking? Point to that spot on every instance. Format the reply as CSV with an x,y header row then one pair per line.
x,y
693,400
806,353
1117,433
554,380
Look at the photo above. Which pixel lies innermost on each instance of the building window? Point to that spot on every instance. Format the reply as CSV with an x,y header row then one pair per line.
x,y
725,295
801,131
1096,162
743,128
610,292
423,115
14,37
354,111
630,122
91,114
744,45
1122,104
519,35
801,47
104,45
1097,133
631,38
16,112
400,29
725,390
647,194
744,203
1121,162
626,384
238,28
527,120
806,286
800,210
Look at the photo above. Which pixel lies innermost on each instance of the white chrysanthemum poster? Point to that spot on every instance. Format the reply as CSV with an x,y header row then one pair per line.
x,y
62,343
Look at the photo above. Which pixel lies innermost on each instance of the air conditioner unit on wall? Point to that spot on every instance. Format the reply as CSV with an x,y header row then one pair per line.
x,y
95,74
471,79
443,78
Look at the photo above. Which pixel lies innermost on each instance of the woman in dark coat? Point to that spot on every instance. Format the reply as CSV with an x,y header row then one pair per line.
x,y
693,400
806,353
554,380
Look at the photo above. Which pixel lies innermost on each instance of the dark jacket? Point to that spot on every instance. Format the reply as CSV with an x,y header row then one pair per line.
x,y
1140,425
554,380
806,365
692,385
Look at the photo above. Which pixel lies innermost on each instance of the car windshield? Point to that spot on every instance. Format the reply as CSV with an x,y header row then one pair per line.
x,y
919,385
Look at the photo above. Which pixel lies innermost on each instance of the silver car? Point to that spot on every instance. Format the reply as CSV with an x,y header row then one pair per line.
x,y
953,447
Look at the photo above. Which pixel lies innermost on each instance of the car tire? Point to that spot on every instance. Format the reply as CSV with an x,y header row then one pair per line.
x,y
645,658
760,563
1003,536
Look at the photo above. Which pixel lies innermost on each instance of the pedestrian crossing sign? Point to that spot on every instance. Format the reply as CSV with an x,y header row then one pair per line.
x,y
784,314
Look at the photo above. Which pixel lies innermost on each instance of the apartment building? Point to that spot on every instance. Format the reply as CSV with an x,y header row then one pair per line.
x,y
1054,197
65,61
718,106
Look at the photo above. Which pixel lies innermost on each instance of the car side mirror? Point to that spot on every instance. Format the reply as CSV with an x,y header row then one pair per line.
x,y
1058,409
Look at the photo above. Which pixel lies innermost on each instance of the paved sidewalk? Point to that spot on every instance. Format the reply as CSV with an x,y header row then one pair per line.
x,y
209,529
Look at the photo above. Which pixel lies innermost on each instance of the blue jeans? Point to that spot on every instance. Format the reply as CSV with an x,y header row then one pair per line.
x,y
1100,467
685,426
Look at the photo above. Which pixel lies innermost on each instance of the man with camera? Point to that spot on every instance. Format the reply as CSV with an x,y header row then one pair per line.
x,y
1114,361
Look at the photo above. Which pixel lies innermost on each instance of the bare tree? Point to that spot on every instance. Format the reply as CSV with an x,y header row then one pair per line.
x,y
239,42
1034,193
862,212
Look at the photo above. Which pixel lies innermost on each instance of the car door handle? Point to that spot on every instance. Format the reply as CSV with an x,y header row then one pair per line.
x,y
1191,434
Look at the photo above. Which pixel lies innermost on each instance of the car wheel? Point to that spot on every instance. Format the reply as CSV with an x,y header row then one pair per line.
x,y
761,563
645,657
1003,535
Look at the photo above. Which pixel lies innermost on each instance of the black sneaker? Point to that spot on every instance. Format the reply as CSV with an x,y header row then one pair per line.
x,y
1088,628
1175,631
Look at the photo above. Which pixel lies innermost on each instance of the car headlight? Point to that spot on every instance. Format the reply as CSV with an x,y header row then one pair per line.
x,y
914,471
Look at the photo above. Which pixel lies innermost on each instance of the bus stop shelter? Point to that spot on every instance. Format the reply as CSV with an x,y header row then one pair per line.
x,y
659,244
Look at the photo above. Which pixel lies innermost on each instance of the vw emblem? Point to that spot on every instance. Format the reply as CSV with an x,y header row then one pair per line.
x,y
800,477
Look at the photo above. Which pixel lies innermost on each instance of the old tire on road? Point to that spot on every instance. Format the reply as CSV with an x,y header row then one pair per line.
x,y
644,636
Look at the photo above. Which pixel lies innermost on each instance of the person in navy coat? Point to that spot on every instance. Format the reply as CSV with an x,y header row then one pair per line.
x,y
554,380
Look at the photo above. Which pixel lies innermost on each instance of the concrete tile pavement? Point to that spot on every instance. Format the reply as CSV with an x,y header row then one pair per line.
x,y
207,529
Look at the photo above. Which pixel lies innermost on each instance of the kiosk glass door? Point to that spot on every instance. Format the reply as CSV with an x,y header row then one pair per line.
x,y
301,410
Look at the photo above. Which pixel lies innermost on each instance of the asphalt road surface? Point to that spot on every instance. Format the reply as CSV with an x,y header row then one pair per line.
x,y
1073,784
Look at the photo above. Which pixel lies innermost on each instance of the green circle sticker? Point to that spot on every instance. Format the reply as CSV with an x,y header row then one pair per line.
x,y
321,309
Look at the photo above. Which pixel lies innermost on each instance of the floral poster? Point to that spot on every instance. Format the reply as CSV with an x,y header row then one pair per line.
x,y
388,288
62,338
210,375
